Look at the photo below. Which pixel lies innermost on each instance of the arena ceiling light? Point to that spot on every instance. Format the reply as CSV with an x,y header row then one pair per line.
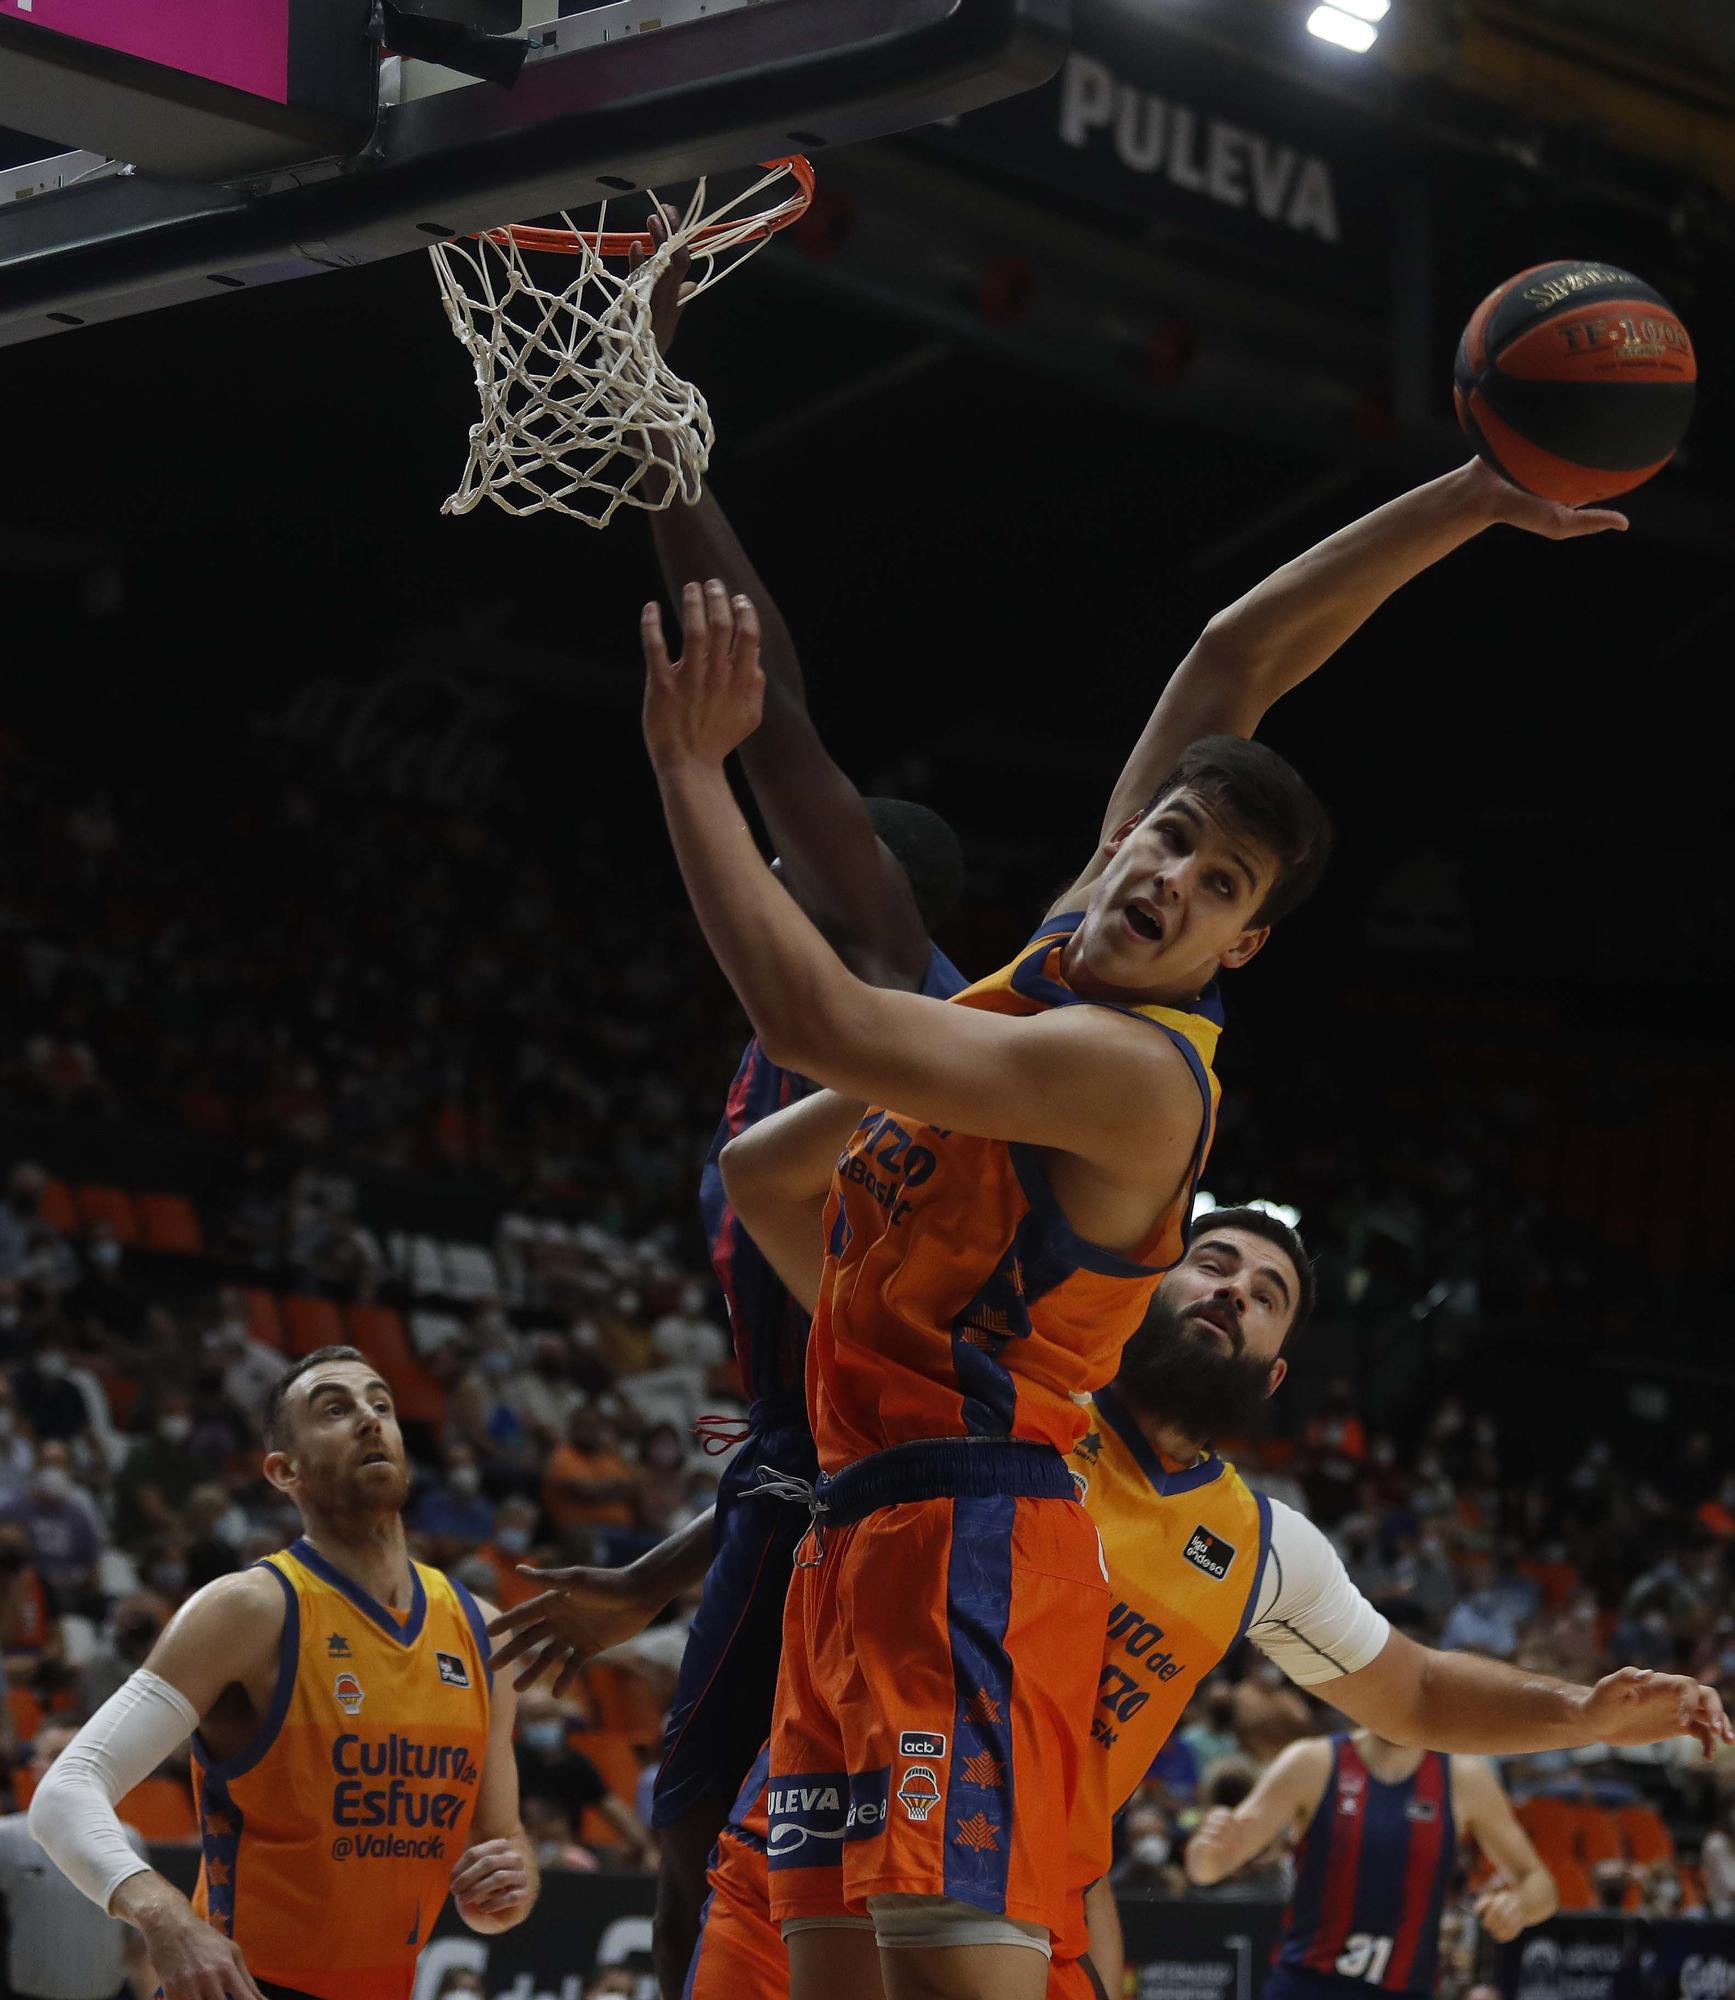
x,y
1203,1203
1371,11
1332,24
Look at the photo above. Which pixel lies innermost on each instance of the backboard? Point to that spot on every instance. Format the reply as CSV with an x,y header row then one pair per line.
x,y
336,137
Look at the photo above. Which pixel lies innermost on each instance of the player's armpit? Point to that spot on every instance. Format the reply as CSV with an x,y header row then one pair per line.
x,y
776,1175
225,1635
1104,1086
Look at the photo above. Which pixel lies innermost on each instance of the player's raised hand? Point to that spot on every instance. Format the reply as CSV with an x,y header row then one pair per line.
x,y
491,1884
700,707
1209,1851
1501,1914
581,1613
1536,516
1638,1705
671,290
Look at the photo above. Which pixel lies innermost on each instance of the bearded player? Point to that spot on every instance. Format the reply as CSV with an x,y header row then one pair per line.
x,y
1196,1560
996,1227
353,1764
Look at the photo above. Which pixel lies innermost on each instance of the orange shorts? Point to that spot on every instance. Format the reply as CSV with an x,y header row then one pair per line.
x,y
939,1671
741,1955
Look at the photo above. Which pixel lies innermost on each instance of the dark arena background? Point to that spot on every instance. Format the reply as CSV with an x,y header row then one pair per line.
x,y
347,982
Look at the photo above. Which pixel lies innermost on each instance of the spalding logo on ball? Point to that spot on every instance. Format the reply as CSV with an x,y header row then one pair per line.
x,y
1575,381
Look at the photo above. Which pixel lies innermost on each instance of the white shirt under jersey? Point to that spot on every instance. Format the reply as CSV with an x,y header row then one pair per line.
x,y
1308,1618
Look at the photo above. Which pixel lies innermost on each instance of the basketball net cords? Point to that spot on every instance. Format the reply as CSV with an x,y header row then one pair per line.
x,y
579,405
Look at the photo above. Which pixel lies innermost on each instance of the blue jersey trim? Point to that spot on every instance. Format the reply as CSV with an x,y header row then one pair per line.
x,y
1252,1603
405,1634
288,1661
1125,1426
478,1630
979,1809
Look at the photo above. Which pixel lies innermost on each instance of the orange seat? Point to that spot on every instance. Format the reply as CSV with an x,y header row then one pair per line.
x,y
265,1318
26,1720
1644,1835
1573,1886
380,1334
162,1810
312,1323
101,1203
58,1211
1599,1837
618,1767
1550,1823
171,1223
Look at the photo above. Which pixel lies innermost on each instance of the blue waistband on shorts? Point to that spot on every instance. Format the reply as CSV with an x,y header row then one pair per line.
x,y
943,1469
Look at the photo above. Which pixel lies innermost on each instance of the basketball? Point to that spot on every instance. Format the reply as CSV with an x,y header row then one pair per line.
x,y
1575,380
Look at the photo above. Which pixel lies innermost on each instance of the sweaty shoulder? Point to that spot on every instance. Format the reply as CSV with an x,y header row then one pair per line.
x,y
1140,1085
229,1632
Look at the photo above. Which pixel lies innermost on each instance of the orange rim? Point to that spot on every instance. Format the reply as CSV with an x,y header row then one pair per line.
x,y
623,242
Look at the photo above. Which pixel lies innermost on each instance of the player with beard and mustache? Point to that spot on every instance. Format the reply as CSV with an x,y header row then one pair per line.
x,y
1196,1560
353,1761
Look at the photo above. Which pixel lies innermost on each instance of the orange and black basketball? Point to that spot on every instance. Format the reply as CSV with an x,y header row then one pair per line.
x,y
1575,380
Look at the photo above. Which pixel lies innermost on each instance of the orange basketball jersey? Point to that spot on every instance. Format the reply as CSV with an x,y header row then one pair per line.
x,y
329,1841
956,1299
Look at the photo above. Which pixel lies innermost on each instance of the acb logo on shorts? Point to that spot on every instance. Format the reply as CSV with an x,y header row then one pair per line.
x,y
921,1743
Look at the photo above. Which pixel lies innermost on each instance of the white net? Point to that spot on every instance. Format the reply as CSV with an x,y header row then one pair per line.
x,y
581,414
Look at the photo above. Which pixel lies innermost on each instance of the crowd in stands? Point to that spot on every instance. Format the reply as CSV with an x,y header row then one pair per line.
x,y
362,982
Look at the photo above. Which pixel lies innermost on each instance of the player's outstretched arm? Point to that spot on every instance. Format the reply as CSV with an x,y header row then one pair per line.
x,y
226,1635
1526,1893
1461,1702
1289,1789
496,1880
1283,630
777,1176
1106,1089
584,1611
830,854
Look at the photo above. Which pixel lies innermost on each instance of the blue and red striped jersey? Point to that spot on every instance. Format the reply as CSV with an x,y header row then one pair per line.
x,y
768,1327
1372,1874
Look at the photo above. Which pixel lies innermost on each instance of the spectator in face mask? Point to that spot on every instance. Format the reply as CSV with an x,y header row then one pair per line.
x,y
453,1514
160,1472
132,1632
18,1213
688,1337
1145,1869
61,1538
1210,1730
51,1401
17,1453
513,1543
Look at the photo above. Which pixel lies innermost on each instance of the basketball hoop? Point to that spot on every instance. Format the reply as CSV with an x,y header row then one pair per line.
x,y
581,414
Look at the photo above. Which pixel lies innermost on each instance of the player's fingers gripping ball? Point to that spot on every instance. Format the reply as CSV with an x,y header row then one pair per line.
x,y
1575,380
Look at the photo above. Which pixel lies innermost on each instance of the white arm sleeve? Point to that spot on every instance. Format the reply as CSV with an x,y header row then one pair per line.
x,y
1308,1617
72,1816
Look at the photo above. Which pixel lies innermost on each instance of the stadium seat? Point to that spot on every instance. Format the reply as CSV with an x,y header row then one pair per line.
x,y
162,1810
1550,1823
379,1332
471,1272
1599,1835
171,1223
59,1212
1644,1835
430,1331
1573,1886
312,1323
101,1203
265,1318
419,1259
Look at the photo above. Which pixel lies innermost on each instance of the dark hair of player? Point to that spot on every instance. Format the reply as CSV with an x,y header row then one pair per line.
x,y
1259,795
275,1425
927,850
1255,1222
